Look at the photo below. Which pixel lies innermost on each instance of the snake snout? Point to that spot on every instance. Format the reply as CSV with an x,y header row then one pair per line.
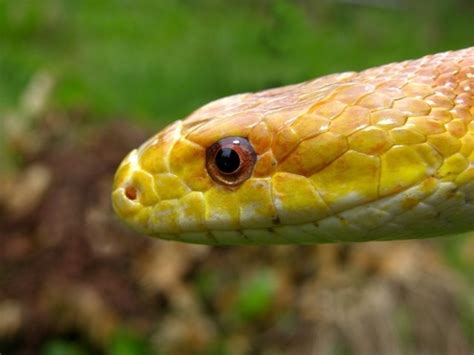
x,y
128,197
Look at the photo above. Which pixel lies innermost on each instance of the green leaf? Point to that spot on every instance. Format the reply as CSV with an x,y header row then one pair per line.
x,y
256,296
62,347
124,342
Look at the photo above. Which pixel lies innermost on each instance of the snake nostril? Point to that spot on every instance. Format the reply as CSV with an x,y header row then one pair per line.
x,y
131,193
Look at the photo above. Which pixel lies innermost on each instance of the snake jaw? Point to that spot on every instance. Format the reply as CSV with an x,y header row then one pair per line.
x,y
357,157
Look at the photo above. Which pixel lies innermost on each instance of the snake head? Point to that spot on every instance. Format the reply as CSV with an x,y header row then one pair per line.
x,y
206,173
346,157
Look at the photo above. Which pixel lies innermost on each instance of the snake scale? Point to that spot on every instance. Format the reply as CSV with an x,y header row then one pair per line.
x,y
386,153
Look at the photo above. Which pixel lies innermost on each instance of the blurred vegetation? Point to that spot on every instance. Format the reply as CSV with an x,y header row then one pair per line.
x,y
155,61
161,59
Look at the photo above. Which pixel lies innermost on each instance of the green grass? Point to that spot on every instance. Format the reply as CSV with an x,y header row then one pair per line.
x,y
161,59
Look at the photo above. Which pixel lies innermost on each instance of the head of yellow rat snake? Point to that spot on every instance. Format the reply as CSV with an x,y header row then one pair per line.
x,y
386,153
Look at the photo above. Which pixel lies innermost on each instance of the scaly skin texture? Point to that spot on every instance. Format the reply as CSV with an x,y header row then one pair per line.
x,y
386,153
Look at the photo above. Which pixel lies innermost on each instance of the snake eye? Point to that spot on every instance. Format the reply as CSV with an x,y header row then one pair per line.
x,y
230,161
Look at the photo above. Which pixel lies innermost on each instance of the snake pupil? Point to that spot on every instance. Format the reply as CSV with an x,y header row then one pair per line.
x,y
227,160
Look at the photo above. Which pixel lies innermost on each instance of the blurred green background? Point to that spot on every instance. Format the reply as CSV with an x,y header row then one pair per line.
x,y
156,61
159,60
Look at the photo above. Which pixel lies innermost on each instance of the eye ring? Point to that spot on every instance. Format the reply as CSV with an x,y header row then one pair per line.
x,y
230,161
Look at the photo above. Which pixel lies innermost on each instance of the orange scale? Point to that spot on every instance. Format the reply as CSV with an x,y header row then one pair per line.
x,y
388,118
441,115
440,101
417,89
445,91
457,128
375,101
260,137
426,125
412,106
466,85
328,109
393,92
372,141
314,154
447,69
266,165
351,120
351,94
447,80
428,80
462,112
445,144
216,129
426,72
465,99
277,120
410,70
310,124
283,101
465,72
284,142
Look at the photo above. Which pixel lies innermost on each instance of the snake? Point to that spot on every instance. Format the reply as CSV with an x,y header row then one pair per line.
x,y
386,153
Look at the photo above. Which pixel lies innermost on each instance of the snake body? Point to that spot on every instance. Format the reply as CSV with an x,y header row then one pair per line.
x,y
386,153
